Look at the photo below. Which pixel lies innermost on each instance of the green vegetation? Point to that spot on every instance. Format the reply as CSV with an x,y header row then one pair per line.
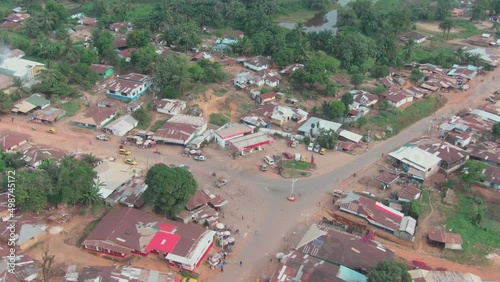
x,y
71,107
298,165
218,94
169,189
389,270
159,123
143,117
479,238
425,201
296,17
386,6
293,173
218,119
399,120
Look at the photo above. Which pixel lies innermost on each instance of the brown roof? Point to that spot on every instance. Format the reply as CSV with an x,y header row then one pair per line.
x,y
127,229
175,131
309,269
438,235
37,153
415,35
488,151
492,174
130,194
25,266
259,61
120,24
120,42
445,152
99,114
409,192
100,69
372,209
109,102
397,96
90,21
9,139
344,249
49,115
387,177
227,62
201,198
268,95
127,53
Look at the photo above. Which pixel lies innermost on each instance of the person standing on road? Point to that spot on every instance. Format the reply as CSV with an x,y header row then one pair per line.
x,y
241,263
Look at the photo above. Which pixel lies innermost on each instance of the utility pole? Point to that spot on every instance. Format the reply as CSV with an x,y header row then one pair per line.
x,y
292,198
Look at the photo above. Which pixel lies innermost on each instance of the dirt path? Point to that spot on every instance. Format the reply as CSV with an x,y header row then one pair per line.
x,y
423,225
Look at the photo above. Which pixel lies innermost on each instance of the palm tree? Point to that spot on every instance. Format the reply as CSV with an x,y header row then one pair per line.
x,y
69,51
93,194
244,46
300,29
475,59
446,25
303,50
409,49
182,79
46,21
89,159
346,17
460,55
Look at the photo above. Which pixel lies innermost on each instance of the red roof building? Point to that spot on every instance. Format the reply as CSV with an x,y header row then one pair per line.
x,y
180,129
123,231
251,141
450,240
378,214
10,140
409,193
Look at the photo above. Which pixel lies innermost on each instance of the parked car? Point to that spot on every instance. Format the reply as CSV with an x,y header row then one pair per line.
x,y
269,160
51,130
124,152
322,151
489,99
103,137
316,148
287,155
263,167
310,147
200,158
497,92
221,182
130,162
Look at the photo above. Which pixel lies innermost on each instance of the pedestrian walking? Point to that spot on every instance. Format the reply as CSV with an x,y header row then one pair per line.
x,y
222,269
242,218
241,262
12,119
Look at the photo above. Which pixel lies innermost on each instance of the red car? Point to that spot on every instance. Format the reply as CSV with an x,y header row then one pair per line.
x,y
287,155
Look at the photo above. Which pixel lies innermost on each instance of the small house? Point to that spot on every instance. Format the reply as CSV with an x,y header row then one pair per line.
x,y
491,177
129,87
96,117
121,25
121,125
417,162
102,70
398,98
452,241
416,37
231,131
409,193
258,63
49,116
10,140
288,70
387,178
126,54
75,13
21,68
120,43
180,129
266,97
170,106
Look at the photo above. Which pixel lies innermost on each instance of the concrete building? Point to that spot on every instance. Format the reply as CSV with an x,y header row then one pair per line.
x,y
251,141
129,87
10,140
28,231
116,273
21,68
129,194
341,248
96,117
258,63
319,124
417,162
378,215
422,275
171,106
121,125
180,130
113,175
229,132
125,231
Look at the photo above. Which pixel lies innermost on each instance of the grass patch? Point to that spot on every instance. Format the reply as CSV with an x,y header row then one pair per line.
x,y
218,94
400,119
293,173
385,6
478,240
297,165
71,107
159,123
296,17
426,53
91,226
426,202
218,119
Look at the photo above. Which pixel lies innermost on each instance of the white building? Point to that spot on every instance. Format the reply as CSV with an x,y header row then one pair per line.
x,y
230,132
319,124
258,63
128,87
180,130
171,106
121,125
113,175
419,163
21,68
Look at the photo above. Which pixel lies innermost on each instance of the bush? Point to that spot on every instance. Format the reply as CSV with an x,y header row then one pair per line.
x,y
143,117
380,71
83,212
218,119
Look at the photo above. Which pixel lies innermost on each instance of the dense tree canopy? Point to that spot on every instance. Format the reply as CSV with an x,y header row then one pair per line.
x,y
169,189
389,271
6,103
473,171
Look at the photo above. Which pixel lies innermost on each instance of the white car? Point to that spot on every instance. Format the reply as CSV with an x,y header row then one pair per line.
x,y
269,160
310,147
200,158
103,137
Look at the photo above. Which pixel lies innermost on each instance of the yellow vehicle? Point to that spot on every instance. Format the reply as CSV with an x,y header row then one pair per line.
x,y
323,151
186,279
124,152
130,162
51,130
